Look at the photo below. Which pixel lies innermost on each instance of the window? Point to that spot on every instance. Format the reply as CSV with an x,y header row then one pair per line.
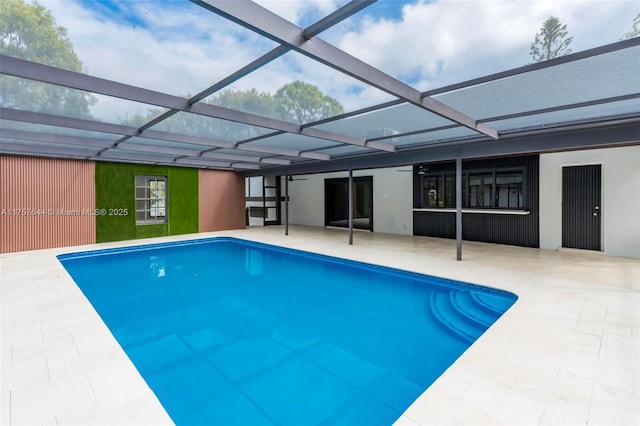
x,y
509,190
151,199
497,189
450,191
439,190
480,192
433,191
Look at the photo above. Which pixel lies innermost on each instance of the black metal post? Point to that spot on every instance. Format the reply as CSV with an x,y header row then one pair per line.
x,y
286,204
458,208
350,206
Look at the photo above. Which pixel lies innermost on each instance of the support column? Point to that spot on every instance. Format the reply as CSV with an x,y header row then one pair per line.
x,y
350,205
286,204
458,208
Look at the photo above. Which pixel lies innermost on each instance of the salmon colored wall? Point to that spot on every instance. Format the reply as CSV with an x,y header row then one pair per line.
x,y
46,203
222,200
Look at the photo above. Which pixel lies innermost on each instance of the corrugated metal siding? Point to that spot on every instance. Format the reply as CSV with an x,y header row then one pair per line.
x,y
45,203
491,228
222,203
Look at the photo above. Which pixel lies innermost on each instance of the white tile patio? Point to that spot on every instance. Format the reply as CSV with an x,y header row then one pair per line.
x,y
568,351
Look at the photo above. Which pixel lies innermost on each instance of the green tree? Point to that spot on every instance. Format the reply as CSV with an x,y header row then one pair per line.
x,y
298,102
252,101
635,29
302,103
194,125
29,31
551,42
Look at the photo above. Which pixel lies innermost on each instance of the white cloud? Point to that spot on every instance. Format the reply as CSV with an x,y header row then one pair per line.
x,y
295,10
444,42
180,48
179,51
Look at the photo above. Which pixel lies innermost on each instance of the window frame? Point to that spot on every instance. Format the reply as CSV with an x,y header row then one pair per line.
x,y
448,177
522,193
149,199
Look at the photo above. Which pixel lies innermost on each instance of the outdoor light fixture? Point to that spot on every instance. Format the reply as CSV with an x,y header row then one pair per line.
x,y
422,170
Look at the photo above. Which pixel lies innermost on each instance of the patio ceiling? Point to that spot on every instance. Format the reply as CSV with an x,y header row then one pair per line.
x,y
584,100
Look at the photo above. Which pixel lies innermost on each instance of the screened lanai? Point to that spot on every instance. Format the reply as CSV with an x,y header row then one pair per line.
x,y
581,100
197,86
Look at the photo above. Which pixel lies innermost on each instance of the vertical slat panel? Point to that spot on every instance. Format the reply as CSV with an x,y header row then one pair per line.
x,y
222,200
569,222
45,203
598,202
492,228
580,197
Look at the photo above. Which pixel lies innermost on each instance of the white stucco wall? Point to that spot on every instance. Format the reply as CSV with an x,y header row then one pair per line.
x,y
620,197
392,199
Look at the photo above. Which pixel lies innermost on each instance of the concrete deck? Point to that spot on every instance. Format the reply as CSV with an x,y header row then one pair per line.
x,y
568,351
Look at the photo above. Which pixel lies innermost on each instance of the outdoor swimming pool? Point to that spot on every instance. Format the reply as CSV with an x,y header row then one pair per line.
x,y
227,331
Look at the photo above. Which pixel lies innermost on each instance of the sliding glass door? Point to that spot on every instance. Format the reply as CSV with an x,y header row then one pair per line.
x,y
337,202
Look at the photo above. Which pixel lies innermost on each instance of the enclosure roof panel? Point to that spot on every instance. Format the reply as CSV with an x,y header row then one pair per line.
x,y
287,87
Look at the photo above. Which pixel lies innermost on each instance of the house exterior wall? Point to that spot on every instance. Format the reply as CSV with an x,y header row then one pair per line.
x,y
115,189
620,197
491,226
46,203
391,199
222,204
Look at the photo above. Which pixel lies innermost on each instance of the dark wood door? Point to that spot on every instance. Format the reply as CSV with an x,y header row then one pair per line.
x,y
581,207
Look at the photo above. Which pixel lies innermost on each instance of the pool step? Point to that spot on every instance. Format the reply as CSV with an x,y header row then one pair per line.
x,y
496,304
466,305
463,314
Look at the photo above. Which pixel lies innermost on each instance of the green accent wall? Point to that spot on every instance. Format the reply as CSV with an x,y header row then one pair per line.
x,y
115,189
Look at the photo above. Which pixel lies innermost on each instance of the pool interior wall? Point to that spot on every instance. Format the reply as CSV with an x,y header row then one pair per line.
x,y
241,332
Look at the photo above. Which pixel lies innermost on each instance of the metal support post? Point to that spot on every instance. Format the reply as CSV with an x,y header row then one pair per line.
x,y
458,208
350,206
286,204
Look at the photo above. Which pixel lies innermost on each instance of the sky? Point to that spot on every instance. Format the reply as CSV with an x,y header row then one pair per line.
x,y
177,47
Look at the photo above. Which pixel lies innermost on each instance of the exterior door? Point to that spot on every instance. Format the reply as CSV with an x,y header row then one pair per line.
x,y
337,202
271,200
581,207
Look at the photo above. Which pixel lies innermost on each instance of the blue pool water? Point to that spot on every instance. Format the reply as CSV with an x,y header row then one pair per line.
x,y
231,332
